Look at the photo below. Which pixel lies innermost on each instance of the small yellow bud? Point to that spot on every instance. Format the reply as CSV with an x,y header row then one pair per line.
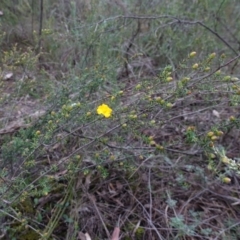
x,y
120,92
232,118
212,155
53,113
191,128
159,147
152,143
169,105
69,108
112,98
152,122
195,66
158,99
149,98
124,125
227,78
211,144
218,72
226,180
38,132
192,54
150,138
89,113
234,79
112,157
219,133
185,80
207,69
138,86
213,138
225,160
210,134
209,167
212,55
169,79
133,116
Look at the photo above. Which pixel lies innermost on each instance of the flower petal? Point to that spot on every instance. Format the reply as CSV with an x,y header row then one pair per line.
x,y
104,110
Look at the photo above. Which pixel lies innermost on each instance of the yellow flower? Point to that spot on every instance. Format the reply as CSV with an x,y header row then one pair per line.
x,y
104,110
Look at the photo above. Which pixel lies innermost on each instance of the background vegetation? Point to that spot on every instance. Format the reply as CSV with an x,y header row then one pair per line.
x,y
165,164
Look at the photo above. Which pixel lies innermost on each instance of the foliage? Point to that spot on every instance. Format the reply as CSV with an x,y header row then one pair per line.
x,y
133,119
